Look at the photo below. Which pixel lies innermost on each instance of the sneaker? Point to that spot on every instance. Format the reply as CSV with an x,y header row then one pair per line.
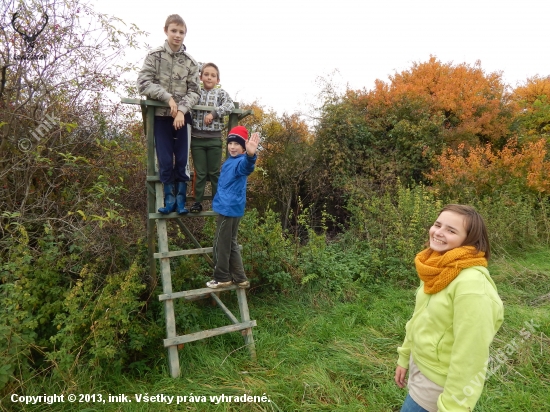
x,y
243,284
214,284
196,208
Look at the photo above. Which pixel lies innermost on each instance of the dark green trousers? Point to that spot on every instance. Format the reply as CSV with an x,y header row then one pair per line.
x,y
207,157
227,256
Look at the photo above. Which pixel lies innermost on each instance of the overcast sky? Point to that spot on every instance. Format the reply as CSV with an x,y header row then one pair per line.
x,y
275,51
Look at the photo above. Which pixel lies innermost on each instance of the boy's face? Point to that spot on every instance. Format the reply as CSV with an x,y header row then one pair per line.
x,y
234,149
175,34
209,78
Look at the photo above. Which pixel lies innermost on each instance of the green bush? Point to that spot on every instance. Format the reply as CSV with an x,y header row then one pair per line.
x,y
31,296
54,321
395,224
336,268
100,321
268,255
513,223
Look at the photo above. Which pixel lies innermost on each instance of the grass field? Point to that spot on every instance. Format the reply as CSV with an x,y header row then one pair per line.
x,y
318,353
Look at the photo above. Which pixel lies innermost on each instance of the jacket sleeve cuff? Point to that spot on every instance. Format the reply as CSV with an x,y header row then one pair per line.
x,y
403,361
404,355
165,97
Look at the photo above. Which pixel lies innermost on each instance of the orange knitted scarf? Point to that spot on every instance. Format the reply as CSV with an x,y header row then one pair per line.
x,y
437,270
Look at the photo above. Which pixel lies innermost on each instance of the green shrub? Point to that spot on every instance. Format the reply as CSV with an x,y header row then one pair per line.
x,y
513,223
31,294
336,268
268,255
53,321
395,225
100,321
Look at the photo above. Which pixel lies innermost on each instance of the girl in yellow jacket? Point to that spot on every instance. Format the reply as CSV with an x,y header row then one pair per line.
x,y
457,314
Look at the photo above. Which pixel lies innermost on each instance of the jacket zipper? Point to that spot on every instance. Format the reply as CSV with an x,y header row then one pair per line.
x,y
171,74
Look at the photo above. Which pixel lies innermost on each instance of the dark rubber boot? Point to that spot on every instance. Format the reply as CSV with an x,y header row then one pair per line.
x,y
181,197
169,200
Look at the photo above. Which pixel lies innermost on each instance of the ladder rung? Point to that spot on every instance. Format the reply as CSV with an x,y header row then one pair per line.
x,y
204,197
208,333
175,215
156,178
156,103
183,252
174,253
190,197
189,294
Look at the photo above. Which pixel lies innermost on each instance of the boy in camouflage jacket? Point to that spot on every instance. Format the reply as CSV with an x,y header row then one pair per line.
x,y
206,135
170,74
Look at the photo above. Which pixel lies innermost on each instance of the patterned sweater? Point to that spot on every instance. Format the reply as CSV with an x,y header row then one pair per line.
x,y
221,104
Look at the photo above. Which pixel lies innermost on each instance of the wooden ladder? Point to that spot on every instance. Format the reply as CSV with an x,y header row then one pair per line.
x,y
155,199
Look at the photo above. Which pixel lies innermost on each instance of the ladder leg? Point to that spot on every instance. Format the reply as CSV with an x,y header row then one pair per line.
x,y
173,358
245,316
148,125
151,252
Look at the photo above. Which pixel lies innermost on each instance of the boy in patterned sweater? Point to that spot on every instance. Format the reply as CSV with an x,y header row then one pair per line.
x,y
206,135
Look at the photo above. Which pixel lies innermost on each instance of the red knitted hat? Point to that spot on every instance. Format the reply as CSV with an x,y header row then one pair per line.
x,y
238,134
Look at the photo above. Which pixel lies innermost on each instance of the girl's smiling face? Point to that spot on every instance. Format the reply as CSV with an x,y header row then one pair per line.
x,y
448,232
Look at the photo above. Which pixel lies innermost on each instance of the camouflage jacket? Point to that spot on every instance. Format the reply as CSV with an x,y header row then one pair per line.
x,y
168,74
221,104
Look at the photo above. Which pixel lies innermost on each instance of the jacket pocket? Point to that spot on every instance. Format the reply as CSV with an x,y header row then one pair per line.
x,y
445,346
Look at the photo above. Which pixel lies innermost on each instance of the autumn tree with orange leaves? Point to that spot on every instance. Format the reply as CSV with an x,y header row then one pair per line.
x,y
397,129
481,171
474,105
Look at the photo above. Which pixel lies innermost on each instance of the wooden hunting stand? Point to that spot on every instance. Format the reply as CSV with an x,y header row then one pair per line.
x,y
155,199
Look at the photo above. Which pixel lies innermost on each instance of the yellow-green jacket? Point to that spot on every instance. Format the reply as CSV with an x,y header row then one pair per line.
x,y
168,74
449,336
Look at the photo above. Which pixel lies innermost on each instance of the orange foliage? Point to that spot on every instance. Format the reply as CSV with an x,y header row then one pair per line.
x,y
483,171
473,103
533,88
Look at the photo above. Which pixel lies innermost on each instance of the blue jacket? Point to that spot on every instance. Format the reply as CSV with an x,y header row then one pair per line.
x,y
230,198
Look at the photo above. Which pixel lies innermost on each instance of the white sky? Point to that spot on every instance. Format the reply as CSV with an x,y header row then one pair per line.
x,y
275,51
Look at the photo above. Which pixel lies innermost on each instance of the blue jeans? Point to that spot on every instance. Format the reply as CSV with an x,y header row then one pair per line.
x,y
172,149
411,406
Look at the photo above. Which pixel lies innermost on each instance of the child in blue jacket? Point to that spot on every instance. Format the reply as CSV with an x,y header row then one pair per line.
x,y
229,203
